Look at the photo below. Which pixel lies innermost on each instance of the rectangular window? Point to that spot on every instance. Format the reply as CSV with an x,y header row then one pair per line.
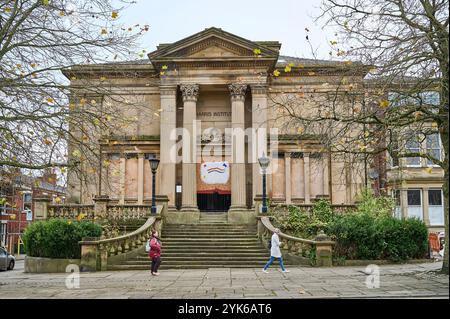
x,y
435,207
27,201
433,148
412,146
398,206
415,203
3,233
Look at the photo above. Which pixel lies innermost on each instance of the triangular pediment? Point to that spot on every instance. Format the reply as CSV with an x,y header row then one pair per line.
x,y
213,44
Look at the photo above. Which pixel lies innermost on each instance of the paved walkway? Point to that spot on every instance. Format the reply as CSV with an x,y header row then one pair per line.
x,y
396,281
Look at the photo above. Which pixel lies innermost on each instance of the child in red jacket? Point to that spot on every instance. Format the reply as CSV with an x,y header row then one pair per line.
x,y
155,252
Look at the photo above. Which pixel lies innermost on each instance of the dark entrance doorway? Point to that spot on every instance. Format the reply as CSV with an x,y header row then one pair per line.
x,y
213,202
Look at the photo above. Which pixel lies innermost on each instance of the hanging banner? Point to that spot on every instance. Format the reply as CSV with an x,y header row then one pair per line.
x,y
215,172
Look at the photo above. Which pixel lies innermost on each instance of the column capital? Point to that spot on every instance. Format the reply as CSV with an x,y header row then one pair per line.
x,y
237,90
165,90
258,89
189,92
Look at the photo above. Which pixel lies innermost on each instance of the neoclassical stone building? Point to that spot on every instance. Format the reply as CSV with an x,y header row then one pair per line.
x,y
206,84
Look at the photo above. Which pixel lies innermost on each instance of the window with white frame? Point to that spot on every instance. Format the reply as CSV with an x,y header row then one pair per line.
x,y
415,203
398,206
435,207
27,201
412,145
433,142
3,232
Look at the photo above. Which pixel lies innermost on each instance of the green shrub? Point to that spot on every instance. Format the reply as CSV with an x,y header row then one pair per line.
x,y
58,238
364,236
378,206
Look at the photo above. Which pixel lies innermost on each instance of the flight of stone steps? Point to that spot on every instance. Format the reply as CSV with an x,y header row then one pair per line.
x,y
210,244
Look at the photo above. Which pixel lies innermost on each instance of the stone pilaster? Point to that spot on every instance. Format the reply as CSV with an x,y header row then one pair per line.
x,y
123,162
140,179
168,142
404,202
307,177
189,195
287,168
238,193
426,207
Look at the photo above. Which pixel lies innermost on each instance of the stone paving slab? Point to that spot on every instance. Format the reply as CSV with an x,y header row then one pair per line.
x,y
396,281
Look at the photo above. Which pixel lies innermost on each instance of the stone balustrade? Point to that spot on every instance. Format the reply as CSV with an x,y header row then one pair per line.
x,y
70,211
299,250
95,252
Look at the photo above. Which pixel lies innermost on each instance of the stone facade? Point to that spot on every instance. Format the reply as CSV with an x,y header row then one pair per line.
x,y
206,84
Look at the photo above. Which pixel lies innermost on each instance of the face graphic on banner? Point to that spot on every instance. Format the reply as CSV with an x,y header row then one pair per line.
x,y
215,172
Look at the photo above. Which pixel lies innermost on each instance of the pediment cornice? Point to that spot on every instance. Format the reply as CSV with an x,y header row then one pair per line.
x,y
220,49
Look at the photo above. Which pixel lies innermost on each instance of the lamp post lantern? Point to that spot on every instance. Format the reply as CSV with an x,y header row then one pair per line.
x,y
264,163
154,162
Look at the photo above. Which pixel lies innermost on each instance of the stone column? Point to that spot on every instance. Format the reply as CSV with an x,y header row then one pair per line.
x,y
326,175
123,160
168,142
404,202
425,208
307,178
287,169
238,194
140,179
259,138
189,195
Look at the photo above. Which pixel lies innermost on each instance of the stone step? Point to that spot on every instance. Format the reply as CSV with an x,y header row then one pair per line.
x,y
212,236
208,233
264,254
187,266
213,248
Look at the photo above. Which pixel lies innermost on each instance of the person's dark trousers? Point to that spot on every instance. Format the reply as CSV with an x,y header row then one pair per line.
x,y
156,261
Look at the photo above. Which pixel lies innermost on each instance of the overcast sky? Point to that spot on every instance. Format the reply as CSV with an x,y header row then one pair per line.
x,y
259,20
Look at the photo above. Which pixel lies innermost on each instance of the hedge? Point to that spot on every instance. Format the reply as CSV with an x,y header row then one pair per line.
x,y
362,236
58,238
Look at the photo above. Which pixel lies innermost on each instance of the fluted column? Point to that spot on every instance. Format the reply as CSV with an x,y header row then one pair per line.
x,y
189,195
307,177
168,142
259,138
238,194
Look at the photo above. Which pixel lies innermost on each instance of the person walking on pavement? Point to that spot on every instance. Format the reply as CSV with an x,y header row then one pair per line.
x,y
275,252
155,252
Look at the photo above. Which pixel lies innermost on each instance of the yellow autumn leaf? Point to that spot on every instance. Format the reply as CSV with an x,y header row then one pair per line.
x,y
57,200
96,122
348,62
311,73
162,73
300,66
73,78
76,153
69,222
114,14
62,13
102,78
434,125
429,170
104,31
33,65
276,73
333,42
164,67
384,104
12,217
300,130
83,101
7,9
93,102
287,69
106,163
257,51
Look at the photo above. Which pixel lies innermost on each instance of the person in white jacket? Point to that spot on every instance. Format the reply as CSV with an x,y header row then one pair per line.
x,y
275,252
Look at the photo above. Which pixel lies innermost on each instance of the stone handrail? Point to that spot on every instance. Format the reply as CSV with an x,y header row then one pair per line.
x,y
95,252
70,211
129,211
298,247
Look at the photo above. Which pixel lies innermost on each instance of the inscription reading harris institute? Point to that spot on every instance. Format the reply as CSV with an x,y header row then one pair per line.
x,y
215,114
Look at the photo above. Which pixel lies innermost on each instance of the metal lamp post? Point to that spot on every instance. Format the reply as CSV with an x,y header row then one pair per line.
x,y
373,175
154,162
264,163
